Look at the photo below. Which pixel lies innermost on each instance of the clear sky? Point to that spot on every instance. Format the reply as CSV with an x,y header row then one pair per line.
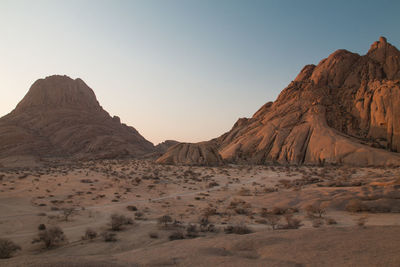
x,y
183,70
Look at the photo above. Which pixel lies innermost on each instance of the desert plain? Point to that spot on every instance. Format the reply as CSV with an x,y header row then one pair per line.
x,y
231,215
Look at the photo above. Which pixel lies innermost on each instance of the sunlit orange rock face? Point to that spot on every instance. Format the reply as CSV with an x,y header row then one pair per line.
x,y
345,110
61,117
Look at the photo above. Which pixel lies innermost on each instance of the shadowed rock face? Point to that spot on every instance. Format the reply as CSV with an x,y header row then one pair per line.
x,y
344,110
164,146
205,153
61,117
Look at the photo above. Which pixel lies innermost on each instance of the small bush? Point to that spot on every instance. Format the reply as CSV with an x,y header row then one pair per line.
x,y
42,226
176,235
313,211
272,220
153,235
209,211
237,229
68,212
50,237
118,220
192,231
361,221
291,222
330,221
131,208
7,248
317,223
355,205
278,211
109,236
90,234
165,220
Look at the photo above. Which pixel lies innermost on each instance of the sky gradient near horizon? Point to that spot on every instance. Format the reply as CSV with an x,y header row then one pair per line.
x,y
181,69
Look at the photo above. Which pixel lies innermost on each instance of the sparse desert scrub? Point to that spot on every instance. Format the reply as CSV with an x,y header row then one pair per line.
x,y
316,223
118,221
209,211
239,229
272,220
315,211
109,236
176,235
90,234
291,222
244,192
153,235
131,208
50,237
355,205
361,221
330,221
7,248
192,231
67,212
165,221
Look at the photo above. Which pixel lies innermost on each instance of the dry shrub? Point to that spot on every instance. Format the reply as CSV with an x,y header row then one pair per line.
x,y
7,248
176,235
192,231
240,229
90,234
165,220
118,220
273,220
330,221
209,211
244,192
278,211
355,205
109,236
361,221
291,222
68,212
313,211
50,237
153,235
131,208
317,223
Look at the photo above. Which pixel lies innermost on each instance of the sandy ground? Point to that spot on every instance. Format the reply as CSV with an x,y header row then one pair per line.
x,y
229,195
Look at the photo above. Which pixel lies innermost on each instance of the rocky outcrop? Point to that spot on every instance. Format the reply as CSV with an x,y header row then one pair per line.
x,y
345,110
204,153
61,117
164,146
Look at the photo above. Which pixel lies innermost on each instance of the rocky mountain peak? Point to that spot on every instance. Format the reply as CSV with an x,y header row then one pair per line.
x,y
58,91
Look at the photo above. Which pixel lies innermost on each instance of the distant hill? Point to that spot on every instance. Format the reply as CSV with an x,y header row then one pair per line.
x,y
61,117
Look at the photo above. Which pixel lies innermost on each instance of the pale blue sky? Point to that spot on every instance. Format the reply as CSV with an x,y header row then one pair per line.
x,y
183,70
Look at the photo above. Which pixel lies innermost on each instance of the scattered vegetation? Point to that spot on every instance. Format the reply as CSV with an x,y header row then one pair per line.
x,y
240,229
165,220
315,211
361,221
109,236
118,221
176,235
90,234
7,248
153,235
50,237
